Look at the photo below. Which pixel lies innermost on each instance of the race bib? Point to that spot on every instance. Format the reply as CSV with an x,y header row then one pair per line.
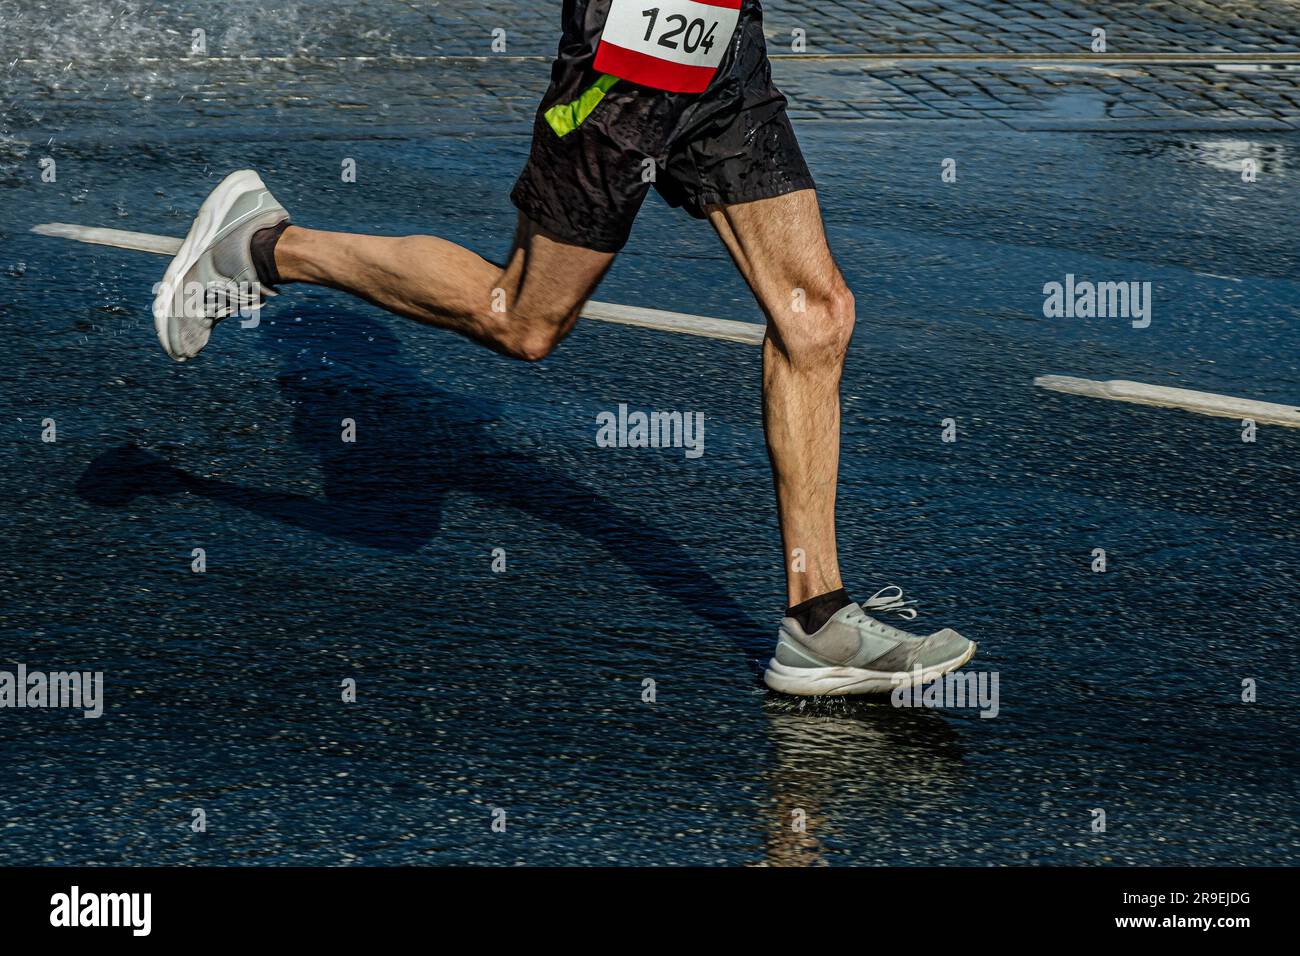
x,y
673,45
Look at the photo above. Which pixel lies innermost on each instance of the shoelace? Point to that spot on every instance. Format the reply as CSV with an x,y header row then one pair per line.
x,y
890,600
226,298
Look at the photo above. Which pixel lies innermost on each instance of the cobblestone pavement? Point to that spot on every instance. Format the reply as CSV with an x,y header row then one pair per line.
x,y
1048,96
56,29
1038,26
487,98
94,71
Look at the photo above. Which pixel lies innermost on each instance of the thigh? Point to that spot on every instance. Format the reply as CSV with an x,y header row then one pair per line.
x,y
548,277
779,245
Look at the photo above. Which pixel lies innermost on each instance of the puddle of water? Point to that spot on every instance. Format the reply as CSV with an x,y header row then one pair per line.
x,y
1078,105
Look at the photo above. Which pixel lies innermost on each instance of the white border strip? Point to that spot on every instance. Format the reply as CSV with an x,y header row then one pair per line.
x,y
1152,59
1161,396
725,329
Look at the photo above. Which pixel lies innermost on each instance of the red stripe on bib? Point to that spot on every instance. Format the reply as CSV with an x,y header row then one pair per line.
x,y
651,71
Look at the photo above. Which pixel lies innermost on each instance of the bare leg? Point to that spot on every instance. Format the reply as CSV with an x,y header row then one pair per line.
x,y
780,247
522,309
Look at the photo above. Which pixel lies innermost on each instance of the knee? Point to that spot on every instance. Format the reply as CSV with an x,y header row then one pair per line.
x,y
820,334
532,338
534,346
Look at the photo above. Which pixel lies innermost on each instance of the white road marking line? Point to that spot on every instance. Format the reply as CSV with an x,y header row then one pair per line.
x,y
727,330
117,238
1161,396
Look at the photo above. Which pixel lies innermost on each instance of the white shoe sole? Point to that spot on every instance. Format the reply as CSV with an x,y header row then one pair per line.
x,y
200,237
840,681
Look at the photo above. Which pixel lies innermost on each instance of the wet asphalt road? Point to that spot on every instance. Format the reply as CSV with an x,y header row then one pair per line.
x,y
522,690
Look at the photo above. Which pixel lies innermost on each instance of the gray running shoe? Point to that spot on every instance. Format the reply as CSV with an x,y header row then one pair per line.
x,y
854,653
212,276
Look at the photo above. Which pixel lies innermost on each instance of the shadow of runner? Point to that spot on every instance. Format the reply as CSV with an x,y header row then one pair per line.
x,y
416,443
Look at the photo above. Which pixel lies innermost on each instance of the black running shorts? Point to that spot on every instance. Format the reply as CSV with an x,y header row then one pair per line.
x,y
601,141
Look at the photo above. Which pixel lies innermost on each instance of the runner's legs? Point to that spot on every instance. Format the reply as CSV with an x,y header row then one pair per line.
x,y
522,309
729,155
779,246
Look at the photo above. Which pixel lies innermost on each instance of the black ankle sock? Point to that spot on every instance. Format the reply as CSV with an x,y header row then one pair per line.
x,y
262,248
815,612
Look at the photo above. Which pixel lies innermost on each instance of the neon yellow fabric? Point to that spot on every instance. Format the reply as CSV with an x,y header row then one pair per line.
x,y
564,118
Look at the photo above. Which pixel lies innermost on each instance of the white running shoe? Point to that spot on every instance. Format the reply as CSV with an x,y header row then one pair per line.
x,y
212,277
854,653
